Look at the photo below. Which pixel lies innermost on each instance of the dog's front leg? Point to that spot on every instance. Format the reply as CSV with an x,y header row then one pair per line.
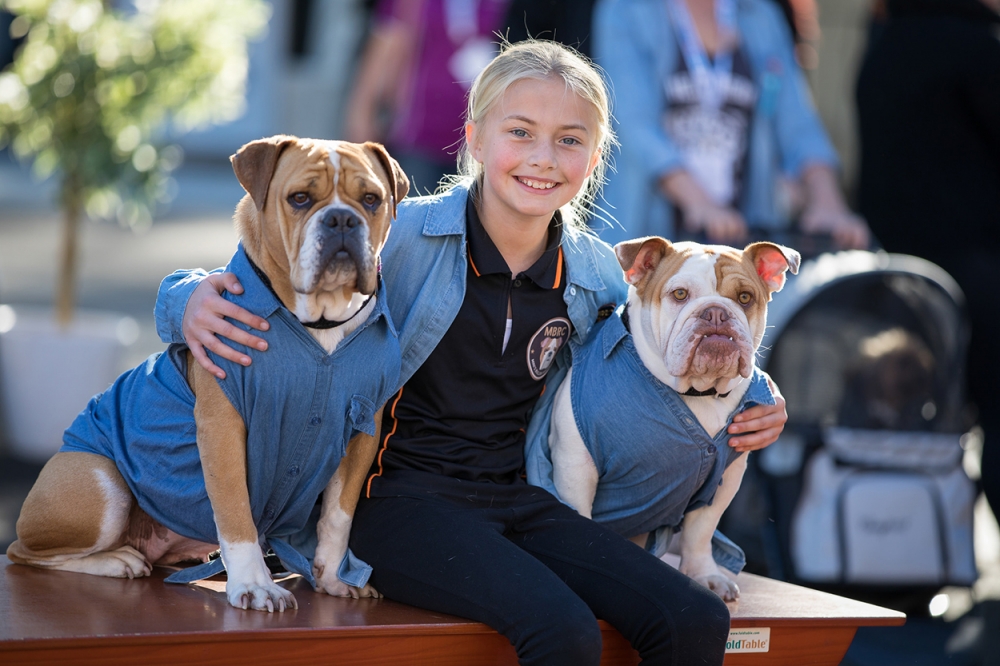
x,y
340,499
696,535
222,442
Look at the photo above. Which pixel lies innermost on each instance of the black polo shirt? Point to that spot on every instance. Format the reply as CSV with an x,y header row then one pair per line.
x,y
463,414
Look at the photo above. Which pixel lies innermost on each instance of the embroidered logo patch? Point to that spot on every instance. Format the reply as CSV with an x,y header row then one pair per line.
x,y
544,344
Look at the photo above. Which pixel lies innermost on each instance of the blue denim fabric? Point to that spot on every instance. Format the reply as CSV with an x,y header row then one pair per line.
x,y
637,47
654,459
300,405
424,268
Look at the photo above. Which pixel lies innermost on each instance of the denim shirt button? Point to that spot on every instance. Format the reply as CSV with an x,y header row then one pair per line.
x,y
711,449
572,291
269,513
315,420
293,470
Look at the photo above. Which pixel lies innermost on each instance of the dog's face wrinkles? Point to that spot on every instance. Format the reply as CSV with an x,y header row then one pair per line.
x,y
336,207
702,310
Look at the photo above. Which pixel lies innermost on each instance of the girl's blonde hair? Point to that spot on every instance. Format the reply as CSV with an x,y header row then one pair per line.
x,y
541,59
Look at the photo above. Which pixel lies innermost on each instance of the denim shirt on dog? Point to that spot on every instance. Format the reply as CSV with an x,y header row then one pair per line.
x,y
654,459
300,406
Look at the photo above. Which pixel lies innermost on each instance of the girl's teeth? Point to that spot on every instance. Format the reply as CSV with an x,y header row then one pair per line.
x,y
537,186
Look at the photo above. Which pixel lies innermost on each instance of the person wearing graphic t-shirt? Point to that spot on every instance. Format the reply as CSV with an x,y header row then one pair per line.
x,y
712,114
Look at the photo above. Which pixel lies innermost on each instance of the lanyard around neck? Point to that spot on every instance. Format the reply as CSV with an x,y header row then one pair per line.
x,y
710,80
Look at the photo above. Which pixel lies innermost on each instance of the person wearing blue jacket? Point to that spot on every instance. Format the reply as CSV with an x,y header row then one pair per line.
x,y
717,129
486,283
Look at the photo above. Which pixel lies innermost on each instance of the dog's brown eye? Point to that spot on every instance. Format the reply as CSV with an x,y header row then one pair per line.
x,y
370,199
745,298
680,294
299,199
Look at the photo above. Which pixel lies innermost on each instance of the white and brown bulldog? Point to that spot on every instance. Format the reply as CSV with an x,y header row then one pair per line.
x,y
312,224
695,315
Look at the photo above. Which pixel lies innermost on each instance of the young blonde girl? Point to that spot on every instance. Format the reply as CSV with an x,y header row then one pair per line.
x,y
483,280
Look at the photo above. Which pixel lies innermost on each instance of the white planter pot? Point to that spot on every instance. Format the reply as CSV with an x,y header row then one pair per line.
x,y
47,374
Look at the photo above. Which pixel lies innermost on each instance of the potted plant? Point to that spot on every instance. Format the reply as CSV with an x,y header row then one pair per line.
x,y
89,99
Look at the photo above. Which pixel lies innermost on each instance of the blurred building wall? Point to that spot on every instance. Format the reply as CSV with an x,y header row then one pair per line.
x,y
300,73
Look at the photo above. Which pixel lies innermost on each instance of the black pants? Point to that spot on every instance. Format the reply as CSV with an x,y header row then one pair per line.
x,y
515,558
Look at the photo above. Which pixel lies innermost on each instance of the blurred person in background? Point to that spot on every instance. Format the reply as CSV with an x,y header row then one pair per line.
x,y
717,129
417,66
928,99
565,21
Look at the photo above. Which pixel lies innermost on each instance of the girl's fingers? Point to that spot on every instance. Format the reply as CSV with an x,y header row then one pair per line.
x,y
755,440
199,355
218,348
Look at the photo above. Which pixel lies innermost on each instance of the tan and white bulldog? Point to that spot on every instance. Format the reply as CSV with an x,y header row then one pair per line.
x,y
696,315
314,221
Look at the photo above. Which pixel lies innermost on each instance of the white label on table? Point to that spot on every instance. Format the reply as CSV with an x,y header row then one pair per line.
x,y
757,639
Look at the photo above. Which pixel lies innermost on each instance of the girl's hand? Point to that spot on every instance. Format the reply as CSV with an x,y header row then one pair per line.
x,y
762,423
204,320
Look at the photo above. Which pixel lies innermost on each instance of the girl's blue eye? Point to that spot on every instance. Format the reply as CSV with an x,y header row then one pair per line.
x,y
571,141
519,132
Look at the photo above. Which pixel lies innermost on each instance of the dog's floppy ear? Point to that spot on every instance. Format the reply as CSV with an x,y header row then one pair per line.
x,y
640,256
771,261
254,165
399,184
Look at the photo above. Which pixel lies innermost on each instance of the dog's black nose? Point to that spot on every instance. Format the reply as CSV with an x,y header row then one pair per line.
x,y
715,315
340,220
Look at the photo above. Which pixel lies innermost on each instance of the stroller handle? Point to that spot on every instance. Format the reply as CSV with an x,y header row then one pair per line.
x,y
809,245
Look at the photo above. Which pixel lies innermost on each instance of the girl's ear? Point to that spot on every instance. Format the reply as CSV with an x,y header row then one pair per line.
x,y
472,140
594,160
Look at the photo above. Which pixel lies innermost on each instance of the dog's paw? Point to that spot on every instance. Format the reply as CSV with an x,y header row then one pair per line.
x,y
721,585
705,571
260,596
328,582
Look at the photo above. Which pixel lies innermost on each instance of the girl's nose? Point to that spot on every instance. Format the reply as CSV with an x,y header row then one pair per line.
x,y
542,156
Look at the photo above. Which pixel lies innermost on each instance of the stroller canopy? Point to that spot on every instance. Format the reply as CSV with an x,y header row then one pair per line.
x,y
869,340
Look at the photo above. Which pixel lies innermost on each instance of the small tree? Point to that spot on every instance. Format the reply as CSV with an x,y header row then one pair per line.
x,y
92,91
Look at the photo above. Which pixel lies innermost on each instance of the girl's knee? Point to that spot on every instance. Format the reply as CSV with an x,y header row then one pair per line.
x,y
567,636
703,628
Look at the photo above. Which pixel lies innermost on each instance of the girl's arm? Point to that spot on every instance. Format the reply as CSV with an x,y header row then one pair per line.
x,y
190,309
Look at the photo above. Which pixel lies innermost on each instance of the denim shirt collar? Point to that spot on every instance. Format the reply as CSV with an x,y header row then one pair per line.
x,y
257,297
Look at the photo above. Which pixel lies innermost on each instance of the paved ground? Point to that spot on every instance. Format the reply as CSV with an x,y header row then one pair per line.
x,y
121,270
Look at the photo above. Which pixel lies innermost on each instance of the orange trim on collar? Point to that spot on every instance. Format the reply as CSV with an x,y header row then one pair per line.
x,y
559,259
473,264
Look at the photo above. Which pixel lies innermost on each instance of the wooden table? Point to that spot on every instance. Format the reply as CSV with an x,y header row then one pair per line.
x,y
54,617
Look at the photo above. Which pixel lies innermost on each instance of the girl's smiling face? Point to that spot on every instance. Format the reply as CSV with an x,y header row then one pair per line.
x,y
537,146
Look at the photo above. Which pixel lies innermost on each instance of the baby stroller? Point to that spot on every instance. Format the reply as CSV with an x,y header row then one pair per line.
x,y
865,492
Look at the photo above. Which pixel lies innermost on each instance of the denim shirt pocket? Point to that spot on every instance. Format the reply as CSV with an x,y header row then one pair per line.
x,y
360,418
